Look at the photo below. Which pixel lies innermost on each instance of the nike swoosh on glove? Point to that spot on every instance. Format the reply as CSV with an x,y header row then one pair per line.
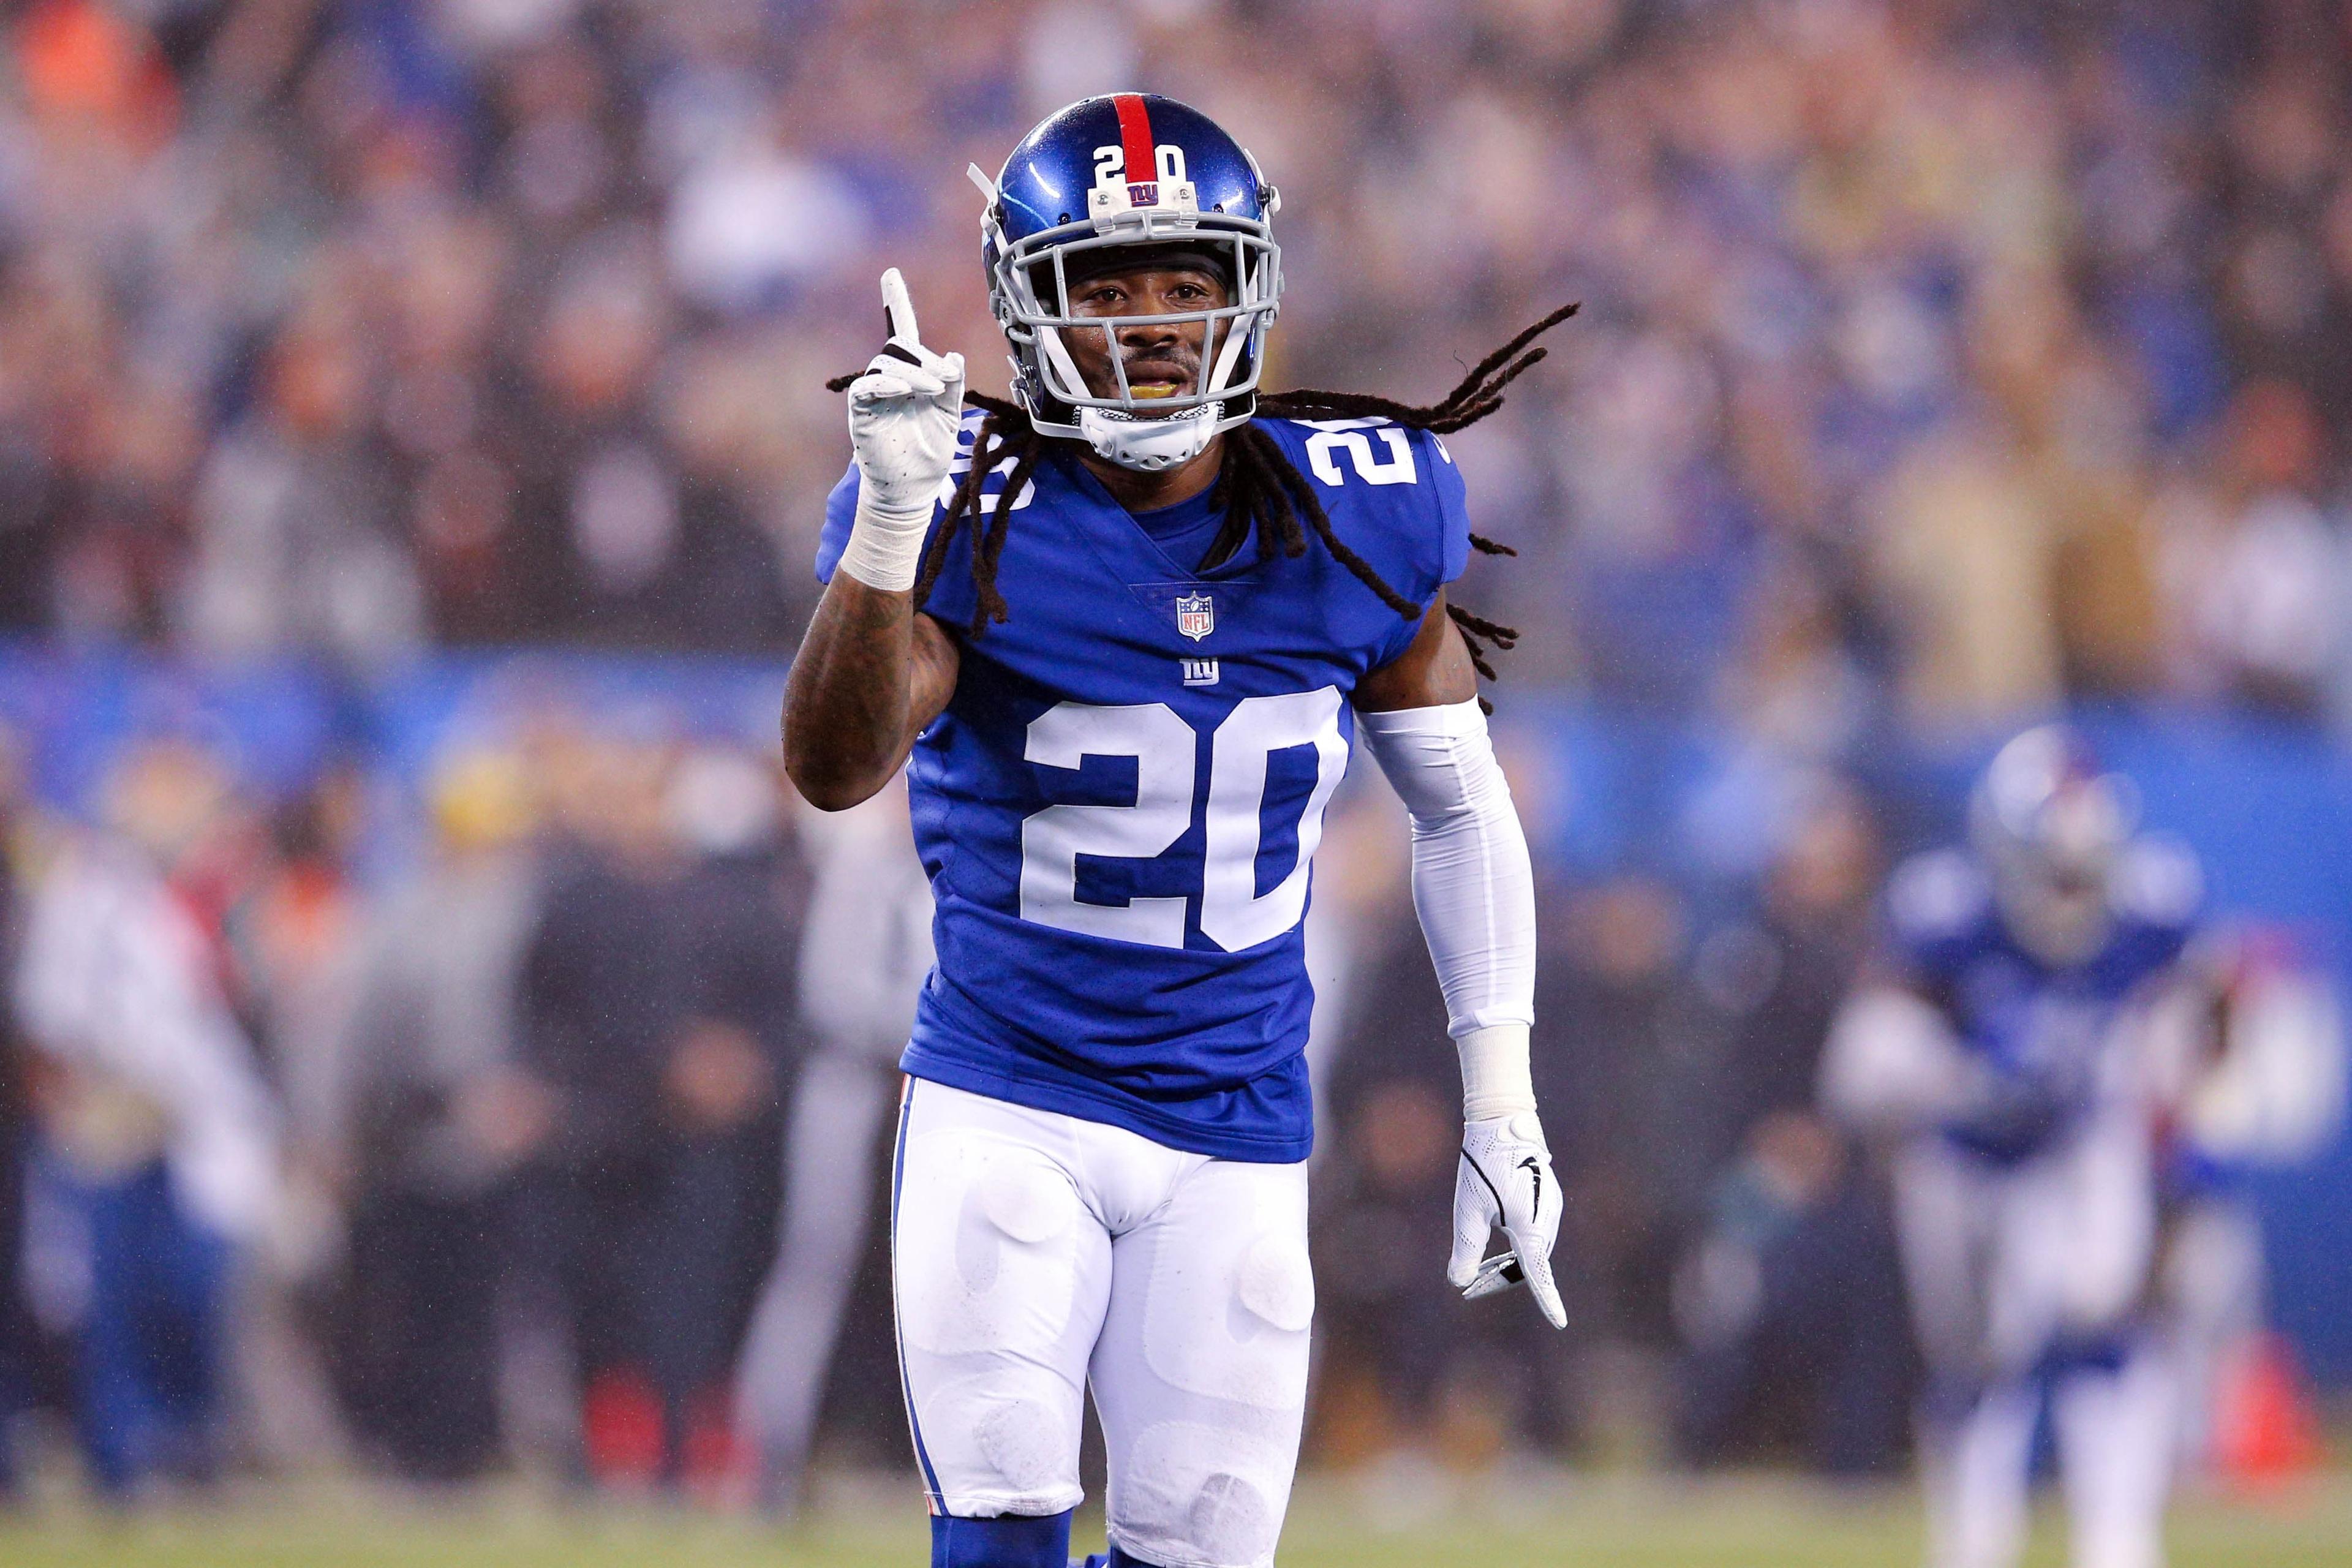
x,y
903,416
1504,1180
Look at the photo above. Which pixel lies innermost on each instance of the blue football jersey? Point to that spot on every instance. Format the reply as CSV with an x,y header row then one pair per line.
x,y
2045,1028
1120,804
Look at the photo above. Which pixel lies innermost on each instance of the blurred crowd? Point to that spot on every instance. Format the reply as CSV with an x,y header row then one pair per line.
x,y
478,1162
1938,361
559,1144
1679,1047
564,1145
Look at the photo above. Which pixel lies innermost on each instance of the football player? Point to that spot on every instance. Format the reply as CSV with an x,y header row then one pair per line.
x,y
864,948
2001,1051
1123,631
2250,1076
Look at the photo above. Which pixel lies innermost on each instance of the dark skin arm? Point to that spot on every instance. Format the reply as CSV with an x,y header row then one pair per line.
x,y
873,671
1434,672
871,674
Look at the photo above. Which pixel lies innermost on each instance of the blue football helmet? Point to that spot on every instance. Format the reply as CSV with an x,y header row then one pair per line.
x,y
1129,170
2050,823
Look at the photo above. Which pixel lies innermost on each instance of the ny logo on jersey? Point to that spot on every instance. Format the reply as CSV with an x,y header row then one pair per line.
x,y
1199,672
1196,618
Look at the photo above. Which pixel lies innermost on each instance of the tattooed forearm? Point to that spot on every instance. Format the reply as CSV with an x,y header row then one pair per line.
x,y
870,675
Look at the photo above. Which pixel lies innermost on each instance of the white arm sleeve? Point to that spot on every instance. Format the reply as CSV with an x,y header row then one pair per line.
x,y
1473,887
1893,1065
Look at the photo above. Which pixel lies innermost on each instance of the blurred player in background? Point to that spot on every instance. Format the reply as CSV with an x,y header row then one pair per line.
x,y
410,1105
653,1024
2002,1048
865,949
2249,1073
1127,679
157,1168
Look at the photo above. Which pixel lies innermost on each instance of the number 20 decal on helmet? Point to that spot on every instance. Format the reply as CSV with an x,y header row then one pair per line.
x,y
1110,169
1129,170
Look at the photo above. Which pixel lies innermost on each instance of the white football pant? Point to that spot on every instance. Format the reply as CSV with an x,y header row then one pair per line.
x,y
1036,1254
2005,1264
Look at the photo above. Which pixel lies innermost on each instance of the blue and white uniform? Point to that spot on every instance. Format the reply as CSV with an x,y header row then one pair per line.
x,y
2028,1206
1119,806
1100,1178
2019,1087
2046,1031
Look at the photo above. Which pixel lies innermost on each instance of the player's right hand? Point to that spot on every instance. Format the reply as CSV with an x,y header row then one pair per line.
x,y
903,413
1505,1182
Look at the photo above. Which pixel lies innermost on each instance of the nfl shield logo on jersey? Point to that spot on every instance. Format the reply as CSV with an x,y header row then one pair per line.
x,y
1196,618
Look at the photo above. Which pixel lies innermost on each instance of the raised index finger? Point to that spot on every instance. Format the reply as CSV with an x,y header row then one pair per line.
x,y
898,308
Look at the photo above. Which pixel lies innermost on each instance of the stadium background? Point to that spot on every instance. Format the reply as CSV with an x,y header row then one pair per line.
x,y
385,382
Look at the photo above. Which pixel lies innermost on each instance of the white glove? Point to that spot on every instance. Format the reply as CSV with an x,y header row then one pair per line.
x,y
903,413
1505,1179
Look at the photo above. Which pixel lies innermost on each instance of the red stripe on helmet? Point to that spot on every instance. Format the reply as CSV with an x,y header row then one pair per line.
x,y
1135,136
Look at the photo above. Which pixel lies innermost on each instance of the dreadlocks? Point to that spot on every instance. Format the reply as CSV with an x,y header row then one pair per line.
x,y
1261,491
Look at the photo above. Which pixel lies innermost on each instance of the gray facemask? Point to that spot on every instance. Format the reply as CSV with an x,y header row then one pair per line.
x,y
1151,444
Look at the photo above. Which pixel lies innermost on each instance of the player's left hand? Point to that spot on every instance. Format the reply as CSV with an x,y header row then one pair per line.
x,y
1504,1180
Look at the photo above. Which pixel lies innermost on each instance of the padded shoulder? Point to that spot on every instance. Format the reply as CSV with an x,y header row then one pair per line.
x,y
1938,906
1393,495
1392,492
2159,886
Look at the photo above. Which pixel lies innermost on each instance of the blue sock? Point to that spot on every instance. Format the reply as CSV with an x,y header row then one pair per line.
x,y
1011,1541
1115,1559
2108,1352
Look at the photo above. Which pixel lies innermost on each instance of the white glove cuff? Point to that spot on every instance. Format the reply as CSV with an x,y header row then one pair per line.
x,y
886,546
1495,1078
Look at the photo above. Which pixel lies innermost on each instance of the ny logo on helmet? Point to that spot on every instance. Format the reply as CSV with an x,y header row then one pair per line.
x,y
1196,618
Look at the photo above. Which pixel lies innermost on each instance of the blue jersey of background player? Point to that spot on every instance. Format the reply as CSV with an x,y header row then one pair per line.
x,y
2005,1050
1127,626
2033,943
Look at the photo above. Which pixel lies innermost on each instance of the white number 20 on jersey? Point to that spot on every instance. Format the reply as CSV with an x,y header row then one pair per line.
x,y
1233,913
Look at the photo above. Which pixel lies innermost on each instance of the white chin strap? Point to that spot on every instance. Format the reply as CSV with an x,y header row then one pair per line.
x,y
1152,443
